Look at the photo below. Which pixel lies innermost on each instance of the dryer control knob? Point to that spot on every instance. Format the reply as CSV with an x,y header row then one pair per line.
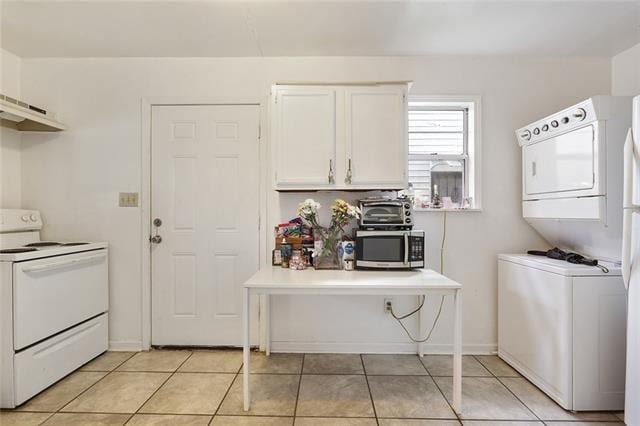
x,y
25,218
33,217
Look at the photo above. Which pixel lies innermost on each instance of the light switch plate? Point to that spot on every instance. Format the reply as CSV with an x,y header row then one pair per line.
x,y
128,199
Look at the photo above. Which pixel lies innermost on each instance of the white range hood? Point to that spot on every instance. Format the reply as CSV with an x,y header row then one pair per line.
x,y
27,118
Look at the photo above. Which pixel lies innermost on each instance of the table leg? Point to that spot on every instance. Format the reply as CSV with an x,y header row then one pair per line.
x,y
421,326
457,352
267,325
245,347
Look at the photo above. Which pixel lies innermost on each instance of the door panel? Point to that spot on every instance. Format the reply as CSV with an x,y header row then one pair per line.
x,y
205,189
376,136
563,163
304,134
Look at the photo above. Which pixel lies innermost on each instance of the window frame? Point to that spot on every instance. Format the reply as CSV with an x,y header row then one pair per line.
x,y
471,142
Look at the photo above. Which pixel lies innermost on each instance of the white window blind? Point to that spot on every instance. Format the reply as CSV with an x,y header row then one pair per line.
x,y
438,150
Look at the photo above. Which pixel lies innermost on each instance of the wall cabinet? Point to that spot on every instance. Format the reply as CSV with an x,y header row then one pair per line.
x,y
339,137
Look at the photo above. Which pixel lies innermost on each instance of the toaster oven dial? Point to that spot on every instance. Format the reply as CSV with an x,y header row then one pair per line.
x,y
407,213
408,220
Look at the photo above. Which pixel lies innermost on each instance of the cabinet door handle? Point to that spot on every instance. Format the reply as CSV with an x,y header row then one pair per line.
x,y
347,179
331,179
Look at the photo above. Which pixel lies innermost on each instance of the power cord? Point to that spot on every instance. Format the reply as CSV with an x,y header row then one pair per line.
x,y
437,318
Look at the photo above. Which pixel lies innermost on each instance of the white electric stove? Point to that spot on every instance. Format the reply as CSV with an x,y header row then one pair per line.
x,y
53,306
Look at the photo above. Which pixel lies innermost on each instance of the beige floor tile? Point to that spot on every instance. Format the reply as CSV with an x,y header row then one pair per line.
x,y
442,365
213,362
497,366
107,361
332,364
417,422
118,393
61,393
271,395
408,397
14,418
583,424
544,407
334,396
189,393
502,423
161,361
393,364
334,421
251,421
275,363
485,398
84,419
168,420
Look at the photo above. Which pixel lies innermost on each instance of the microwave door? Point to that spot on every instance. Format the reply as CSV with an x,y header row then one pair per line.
x,y
377,250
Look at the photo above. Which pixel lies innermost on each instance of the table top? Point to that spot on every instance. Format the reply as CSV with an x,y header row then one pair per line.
x,y
281,278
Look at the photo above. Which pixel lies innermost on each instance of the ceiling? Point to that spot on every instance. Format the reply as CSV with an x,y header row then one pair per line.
x,y
317,28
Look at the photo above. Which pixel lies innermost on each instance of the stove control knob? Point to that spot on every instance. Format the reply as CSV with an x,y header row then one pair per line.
x,y
526,135
545,127
554,123
25,218
565,120
34,218
536,131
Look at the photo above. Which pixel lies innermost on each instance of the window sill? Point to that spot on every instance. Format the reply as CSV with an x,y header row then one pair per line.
x,y
479,209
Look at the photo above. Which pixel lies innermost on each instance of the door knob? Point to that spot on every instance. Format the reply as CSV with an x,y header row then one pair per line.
x,y
157,221
156,239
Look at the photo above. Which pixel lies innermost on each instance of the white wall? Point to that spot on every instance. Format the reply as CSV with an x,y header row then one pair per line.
x,y
10,175
625,72
74,176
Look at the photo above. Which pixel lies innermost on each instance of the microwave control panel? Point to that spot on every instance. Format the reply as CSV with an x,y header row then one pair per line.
x,y
416,248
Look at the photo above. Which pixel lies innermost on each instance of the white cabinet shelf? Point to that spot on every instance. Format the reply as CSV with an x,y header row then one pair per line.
x,y
339,137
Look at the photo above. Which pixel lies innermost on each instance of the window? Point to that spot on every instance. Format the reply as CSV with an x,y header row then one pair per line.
x,y
442,147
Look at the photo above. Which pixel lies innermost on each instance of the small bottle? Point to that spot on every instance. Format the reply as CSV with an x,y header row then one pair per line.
x,y
436,203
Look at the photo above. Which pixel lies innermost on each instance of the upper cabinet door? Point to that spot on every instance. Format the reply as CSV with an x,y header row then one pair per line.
x,y
376,137
304,136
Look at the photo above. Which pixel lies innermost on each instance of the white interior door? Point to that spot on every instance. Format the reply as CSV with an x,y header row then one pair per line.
x,y
205,190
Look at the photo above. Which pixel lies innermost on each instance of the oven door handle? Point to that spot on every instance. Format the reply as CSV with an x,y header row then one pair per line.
x,y
406,248
58,265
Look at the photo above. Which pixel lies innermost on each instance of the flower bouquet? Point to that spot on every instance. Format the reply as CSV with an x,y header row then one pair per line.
x,y
326,240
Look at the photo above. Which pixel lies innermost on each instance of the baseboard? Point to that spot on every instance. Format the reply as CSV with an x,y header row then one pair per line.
x,y
125,346
378,348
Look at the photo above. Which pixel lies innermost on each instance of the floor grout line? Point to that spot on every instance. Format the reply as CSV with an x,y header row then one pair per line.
x,y
94,384
295,408
225,394
160,387
366,378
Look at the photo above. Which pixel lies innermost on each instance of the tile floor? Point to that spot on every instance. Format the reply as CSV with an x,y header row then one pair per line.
x,y
180,387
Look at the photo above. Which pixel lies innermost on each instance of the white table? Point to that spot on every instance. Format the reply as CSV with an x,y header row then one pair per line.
x,y
275,280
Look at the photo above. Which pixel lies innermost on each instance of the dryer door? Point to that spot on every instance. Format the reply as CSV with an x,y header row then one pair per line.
x,y
560,164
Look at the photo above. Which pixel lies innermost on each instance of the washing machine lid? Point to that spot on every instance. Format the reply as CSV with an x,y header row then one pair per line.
x,y
560,266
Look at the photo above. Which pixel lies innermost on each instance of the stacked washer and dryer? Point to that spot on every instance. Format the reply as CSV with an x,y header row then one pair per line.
x,y
563,325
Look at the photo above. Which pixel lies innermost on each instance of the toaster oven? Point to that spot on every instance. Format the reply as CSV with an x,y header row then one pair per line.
x,y
385,214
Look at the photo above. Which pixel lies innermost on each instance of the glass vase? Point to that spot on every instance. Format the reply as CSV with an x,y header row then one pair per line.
x,y
325,242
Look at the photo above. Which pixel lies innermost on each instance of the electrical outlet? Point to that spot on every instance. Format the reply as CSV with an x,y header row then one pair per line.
x,y
128,199
388,303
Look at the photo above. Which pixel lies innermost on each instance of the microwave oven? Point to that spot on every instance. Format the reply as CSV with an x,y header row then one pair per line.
x,y
386,214
389,249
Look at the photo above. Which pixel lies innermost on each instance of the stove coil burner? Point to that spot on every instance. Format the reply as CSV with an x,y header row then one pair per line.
x,y
43,244
19,250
